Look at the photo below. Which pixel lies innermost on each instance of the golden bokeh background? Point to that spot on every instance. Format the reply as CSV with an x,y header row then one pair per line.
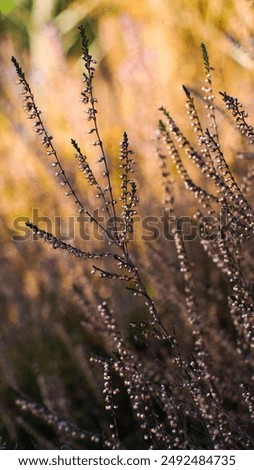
x,y
146,50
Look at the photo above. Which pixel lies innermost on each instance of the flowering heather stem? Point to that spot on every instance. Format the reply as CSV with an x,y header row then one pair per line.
x,y
89,99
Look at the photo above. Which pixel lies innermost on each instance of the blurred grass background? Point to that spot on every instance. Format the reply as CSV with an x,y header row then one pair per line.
x,y
145,50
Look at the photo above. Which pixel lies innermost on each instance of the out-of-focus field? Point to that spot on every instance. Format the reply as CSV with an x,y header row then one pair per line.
x,y
145,50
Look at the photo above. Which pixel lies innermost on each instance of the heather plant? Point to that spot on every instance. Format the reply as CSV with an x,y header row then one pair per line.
x,y
180,376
